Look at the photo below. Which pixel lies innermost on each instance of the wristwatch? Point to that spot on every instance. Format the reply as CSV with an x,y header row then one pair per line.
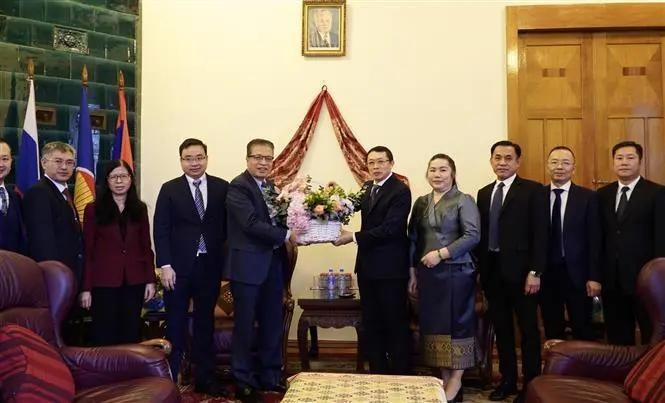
x,y
536,274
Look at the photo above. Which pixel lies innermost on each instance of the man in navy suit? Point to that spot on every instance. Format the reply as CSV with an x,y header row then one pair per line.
x,y
256,257
189,234
12,236
572,276
512,254
52,225
382,265
633,221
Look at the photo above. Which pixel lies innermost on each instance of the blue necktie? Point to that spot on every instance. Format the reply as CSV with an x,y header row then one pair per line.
x,y
495,213
198,202
3,197
556,234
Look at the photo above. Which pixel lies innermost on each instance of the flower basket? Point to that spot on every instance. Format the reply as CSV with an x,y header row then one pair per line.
x,y
321,231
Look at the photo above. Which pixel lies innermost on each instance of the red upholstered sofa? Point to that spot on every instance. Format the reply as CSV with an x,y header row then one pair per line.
x,y
580,371
38,296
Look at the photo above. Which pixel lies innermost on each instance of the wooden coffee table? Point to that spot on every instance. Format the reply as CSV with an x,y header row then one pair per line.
x,y
326,312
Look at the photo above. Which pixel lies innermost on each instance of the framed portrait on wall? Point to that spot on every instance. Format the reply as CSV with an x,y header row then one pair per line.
x,y
324,27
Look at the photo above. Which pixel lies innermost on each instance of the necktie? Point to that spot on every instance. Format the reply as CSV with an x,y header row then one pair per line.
x,y
68,197
556,235
372,194
495,213
623,203
326,44
5,203
198,202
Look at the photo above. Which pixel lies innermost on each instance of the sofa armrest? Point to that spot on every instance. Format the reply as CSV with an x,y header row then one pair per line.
x,y
162,345
591,360
95,366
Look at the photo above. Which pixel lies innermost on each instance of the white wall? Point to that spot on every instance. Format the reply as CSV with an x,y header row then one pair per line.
x,y
419,76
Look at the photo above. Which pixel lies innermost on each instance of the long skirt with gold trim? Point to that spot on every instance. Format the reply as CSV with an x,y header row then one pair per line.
x,y
447,315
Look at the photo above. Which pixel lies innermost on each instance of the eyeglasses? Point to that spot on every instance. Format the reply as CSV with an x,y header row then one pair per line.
x,y
60,162
376,163
564,163
198,158
121,177
259,158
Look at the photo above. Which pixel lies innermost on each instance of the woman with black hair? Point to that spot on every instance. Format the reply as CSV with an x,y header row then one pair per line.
x,y
444,229
119,270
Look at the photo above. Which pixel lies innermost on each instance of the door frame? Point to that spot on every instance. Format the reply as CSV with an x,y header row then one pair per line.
x,y
577,17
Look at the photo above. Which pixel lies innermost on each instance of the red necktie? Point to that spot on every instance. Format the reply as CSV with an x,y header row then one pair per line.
x,y
68,196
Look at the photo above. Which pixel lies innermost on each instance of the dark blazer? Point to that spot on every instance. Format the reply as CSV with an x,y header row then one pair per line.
x,y
383,246
53,230
252,237
581,234
178,227
639,237
523,227
110,259
12,231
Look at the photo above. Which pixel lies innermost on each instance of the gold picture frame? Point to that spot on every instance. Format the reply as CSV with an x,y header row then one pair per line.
x,y
324,27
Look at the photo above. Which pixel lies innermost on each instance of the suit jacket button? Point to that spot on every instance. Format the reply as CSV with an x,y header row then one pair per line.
x,y
618,232
124,252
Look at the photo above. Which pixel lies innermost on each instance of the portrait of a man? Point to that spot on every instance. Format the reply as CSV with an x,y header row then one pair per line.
x,y
324,27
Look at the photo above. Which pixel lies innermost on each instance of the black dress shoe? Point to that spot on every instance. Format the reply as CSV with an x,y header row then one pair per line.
x,y
246,394
212,388
502,392
519,398
279,388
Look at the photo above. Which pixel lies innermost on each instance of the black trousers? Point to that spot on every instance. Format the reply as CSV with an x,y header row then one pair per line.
x,y
202,287
558,291
116,314
385,322
505,298
620,313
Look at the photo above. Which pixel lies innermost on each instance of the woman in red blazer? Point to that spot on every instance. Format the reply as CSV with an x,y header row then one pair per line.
x,y
119,270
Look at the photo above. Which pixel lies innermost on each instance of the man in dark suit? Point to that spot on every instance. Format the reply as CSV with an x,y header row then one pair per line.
x,y
633,220
256,258
572,276
52,225
12,236
512,255
189,233
382,265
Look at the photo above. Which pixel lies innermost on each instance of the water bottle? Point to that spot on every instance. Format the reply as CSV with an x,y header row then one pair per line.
x,y
331,280
342,282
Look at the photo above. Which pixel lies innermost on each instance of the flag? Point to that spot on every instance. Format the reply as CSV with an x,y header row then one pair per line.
x,y
84,185
27,171
122,149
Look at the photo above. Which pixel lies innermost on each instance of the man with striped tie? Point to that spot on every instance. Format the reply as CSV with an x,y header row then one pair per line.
x,y
189,234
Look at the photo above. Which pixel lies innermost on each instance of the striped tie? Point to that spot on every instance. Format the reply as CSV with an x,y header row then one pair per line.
x,y
198,201
5,204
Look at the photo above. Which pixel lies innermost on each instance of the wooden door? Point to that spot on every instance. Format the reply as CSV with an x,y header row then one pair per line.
x,y
555,103
589,91
628,75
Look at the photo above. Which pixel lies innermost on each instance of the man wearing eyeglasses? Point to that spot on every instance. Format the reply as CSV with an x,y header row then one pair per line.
x,y
572,277
257,256
12,236
382,265
52,224
189,233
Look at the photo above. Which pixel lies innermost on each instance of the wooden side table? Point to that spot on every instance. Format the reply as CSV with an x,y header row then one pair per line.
x,y
326,313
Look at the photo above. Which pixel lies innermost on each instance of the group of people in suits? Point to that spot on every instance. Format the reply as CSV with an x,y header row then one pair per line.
x,y
556,246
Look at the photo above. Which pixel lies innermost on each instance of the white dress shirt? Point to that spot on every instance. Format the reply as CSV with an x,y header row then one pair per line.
x,y
564,199
506,185
203,186
631,187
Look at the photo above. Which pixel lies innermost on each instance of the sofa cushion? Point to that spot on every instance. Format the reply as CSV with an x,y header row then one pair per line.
x,y
560,388
141,390
646,381
31,369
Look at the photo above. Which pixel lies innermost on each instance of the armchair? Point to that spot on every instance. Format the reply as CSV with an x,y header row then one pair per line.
x,y
38,296
581,371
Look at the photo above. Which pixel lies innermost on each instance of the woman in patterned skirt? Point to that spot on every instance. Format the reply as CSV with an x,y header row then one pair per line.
x,y
444,228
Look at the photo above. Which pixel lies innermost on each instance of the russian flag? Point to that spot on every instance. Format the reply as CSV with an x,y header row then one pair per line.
x,y
27,171
84,185
122,149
